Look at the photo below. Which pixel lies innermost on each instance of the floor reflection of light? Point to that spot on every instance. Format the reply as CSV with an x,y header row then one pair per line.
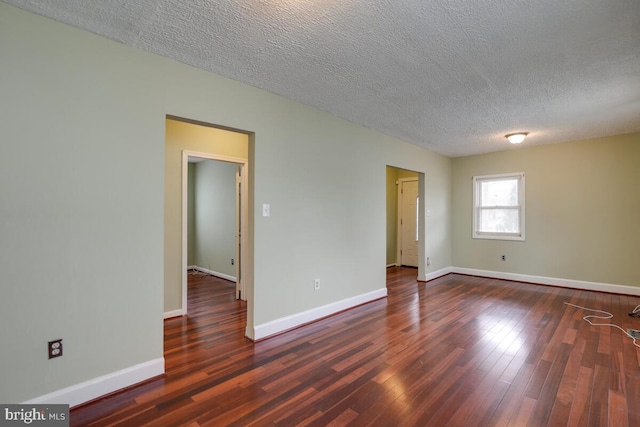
x,y
411,310
396,388
503,332
414,309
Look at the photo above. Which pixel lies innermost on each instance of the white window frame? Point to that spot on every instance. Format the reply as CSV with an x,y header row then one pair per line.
x,y
477,181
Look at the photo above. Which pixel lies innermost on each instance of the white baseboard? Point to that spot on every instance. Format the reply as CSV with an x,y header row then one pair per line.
x,y
101,386
542,280
213,273
436,274
392,265
298,319
174,313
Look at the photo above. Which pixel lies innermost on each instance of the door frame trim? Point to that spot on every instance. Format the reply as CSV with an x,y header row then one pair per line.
x,y
244,219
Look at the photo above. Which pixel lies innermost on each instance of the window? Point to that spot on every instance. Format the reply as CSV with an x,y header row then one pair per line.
x,y
498,207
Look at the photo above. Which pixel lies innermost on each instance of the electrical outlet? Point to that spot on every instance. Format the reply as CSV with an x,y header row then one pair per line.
x,y
633,333
428,261
55,348
233,261
316,284
503,257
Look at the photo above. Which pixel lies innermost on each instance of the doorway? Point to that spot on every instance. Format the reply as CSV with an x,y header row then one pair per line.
x,y
213,219
406,186
223,240
408,218
184,138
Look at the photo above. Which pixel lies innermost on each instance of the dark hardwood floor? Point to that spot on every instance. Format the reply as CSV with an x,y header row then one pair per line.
x,y
456,351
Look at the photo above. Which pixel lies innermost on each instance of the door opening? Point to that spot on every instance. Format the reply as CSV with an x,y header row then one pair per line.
x,y
216,256
408,218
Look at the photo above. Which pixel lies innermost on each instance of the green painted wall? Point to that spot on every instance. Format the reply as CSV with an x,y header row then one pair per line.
x,y
215,216
191,213
89,246
582,211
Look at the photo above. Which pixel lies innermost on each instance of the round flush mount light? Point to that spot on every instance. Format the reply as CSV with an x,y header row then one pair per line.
x,y
516,138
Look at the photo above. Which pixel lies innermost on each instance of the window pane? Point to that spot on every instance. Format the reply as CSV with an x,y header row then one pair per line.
x,y
499,193
498,221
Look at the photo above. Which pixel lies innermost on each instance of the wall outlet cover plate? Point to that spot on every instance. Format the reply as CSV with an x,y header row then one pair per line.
x,y
633,333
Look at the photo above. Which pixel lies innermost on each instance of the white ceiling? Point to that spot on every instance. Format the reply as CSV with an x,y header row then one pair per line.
x,y
452,76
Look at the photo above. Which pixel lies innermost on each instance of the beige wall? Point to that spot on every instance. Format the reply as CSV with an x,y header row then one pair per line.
x,y
202,139
582,211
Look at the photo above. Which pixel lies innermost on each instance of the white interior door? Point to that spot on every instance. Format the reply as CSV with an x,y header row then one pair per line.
x,y
408,223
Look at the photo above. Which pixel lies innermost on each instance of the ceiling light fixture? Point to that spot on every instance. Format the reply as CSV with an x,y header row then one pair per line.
x,y
516,138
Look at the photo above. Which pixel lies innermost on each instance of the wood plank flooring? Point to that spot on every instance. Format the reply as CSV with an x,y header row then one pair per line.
x,y
456,351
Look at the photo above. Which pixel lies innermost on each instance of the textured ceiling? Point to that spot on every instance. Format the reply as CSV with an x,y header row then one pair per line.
x,y
452,76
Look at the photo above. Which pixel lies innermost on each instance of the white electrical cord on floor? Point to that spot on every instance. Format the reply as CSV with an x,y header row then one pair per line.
x,y
608,316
